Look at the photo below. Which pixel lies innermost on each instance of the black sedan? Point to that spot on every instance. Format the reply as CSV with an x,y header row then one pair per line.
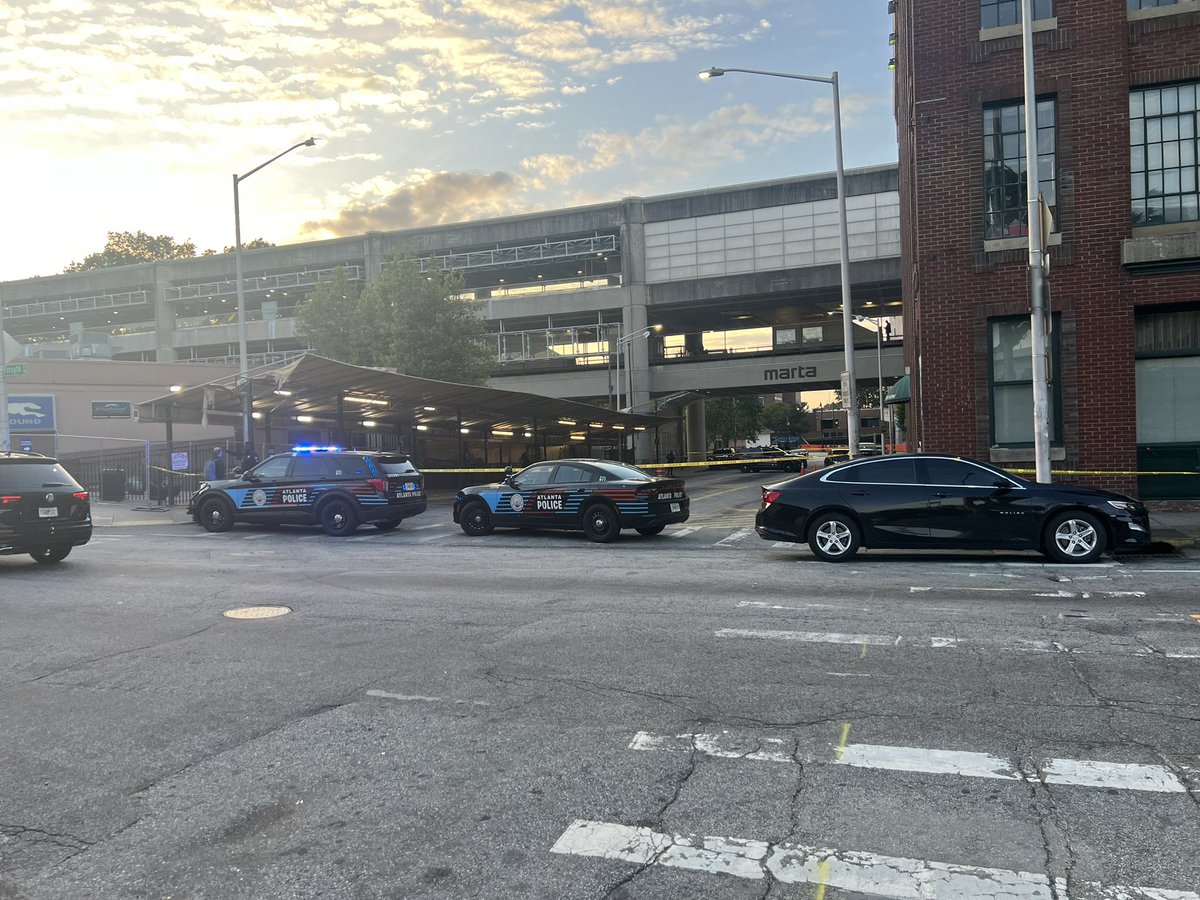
x,y
596,496
921,501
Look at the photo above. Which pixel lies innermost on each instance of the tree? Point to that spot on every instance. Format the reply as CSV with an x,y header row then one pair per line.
x,y
125,248
732,418
405,320
787,418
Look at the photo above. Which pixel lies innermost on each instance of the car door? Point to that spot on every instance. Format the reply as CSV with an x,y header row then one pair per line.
x,y
974,506
567,493
259,500
891,504
515,505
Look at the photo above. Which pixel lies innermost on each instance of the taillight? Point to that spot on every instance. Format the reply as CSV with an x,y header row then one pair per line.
x,y
6,500
770,496
81,496
645,493
380,484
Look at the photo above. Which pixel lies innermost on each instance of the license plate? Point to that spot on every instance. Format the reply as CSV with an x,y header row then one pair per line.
x,y
674,507
47,512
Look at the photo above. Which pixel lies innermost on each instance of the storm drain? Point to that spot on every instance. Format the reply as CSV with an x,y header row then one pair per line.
x,y
257,612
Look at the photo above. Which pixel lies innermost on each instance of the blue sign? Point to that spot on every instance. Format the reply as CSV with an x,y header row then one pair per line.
x,y
31,412
26,445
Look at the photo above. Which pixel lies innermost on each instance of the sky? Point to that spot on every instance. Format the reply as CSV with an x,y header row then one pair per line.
x,y
134,116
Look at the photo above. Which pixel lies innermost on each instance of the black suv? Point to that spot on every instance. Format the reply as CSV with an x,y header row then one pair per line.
x,y
43,510
327,486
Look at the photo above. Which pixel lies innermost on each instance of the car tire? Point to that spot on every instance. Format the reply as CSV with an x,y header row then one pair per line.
x,y
475,519
54,554
215,515
600,523
650,530
1075,537
387,524
337,517
834,537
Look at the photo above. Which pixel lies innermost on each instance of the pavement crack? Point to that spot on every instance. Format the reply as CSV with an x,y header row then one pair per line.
x,y
87,662
41,835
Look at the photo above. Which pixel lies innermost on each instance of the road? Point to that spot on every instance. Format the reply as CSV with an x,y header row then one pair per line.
x,y
701,714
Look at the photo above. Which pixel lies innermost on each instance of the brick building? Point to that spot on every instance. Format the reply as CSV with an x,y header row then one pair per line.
x,y
1118,117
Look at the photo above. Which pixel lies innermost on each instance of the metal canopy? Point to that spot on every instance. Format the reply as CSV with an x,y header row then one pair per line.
x,y
333,393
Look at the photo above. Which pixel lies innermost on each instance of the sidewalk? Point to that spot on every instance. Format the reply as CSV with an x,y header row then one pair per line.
x,y
1174,532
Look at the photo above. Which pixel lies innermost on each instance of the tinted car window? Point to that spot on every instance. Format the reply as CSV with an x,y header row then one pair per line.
x,y
23,476
572,474
273,468
956,472
308,467
535,475
888,471
395,465
616,470
845,473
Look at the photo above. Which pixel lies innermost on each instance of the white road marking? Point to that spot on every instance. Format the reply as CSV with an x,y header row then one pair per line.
x,y
419,698
736,538
848,870
1020,645
680,532
969,764
1013,590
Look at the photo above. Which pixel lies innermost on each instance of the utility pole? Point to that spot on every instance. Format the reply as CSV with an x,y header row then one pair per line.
x,y
1037,311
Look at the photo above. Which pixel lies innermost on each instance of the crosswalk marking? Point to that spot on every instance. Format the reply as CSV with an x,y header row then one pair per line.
x,y
1066,772
736,538
680,532
850,870
944,643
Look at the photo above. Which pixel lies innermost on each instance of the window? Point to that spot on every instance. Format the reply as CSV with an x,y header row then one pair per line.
x,y
572,474
952,472
535,476
1163,151
1134,5
998,13
1004,169
276,467
888,471
1012,383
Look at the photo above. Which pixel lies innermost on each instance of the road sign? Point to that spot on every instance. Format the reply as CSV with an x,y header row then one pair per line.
x,y
15,369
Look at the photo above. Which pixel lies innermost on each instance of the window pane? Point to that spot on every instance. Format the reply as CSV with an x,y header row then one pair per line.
x,y
889,471
1012,345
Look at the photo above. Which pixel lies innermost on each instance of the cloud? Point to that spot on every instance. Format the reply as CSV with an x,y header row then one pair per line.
x,y
431,198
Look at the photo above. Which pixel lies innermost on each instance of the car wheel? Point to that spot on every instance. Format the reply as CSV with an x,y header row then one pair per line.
x,y
215,515
600,523
475,519
53,554
1075,537
387,524
834,537
651,530
337,517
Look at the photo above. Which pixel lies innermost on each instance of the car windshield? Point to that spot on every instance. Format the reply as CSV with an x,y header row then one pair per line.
x,y
19,475
622,471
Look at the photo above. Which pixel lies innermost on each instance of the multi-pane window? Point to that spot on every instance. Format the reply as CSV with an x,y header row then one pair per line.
x,y
1012,383
1163,154
1004,168
995,13
1134,5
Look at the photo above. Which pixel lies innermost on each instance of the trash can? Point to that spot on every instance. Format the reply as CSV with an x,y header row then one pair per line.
x,y
112,485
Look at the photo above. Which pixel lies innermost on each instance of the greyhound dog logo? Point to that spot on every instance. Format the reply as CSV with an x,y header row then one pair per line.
x,y
24,408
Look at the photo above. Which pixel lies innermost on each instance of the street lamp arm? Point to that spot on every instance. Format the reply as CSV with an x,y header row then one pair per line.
x,y
717,72
309,143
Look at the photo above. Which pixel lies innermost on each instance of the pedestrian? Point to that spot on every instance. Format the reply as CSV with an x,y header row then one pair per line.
x,y
250,460
214,469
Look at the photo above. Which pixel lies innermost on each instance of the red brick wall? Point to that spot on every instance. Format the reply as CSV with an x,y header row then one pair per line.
x,y
952,285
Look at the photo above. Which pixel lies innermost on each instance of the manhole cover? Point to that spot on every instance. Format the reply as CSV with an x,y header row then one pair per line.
x,y
257,612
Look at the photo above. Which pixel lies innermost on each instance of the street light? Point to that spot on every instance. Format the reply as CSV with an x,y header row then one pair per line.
x,y
849,382
622,343
243,366
878,323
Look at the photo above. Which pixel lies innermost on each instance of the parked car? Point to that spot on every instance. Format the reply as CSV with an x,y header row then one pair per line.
x,y
327,486
920,501
770,459
597,496
43,510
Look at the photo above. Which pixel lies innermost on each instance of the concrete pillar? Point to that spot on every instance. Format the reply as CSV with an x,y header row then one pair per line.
x,y
637,380
164,316
373,257
697,439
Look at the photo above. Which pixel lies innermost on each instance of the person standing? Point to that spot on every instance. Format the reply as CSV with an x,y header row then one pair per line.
x,y
214,469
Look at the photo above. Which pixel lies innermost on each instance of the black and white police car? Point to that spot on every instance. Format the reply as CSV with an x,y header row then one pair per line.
x,y
328,486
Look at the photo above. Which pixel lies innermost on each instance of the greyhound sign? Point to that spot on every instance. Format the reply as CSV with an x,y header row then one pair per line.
x,y
31,412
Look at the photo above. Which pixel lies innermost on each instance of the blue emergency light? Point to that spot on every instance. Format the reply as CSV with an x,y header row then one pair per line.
x,y
306,448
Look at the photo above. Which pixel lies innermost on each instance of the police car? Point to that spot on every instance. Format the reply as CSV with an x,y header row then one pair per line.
x,y
327,486
596,496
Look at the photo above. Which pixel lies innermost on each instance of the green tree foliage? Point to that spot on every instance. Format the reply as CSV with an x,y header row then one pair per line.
x,y
732,418
125,248
787,418
405,320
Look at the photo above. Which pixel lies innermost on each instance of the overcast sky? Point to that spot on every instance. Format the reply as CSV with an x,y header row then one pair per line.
x,y
133,116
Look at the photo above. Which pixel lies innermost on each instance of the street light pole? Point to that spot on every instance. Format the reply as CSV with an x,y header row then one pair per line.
x,y
5,437
622,343
243,362
878,323
849,382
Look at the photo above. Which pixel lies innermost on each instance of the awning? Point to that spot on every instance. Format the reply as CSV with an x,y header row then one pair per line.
x,y
900,392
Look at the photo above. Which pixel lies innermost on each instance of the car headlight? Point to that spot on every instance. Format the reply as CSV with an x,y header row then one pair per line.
x,y
1122,505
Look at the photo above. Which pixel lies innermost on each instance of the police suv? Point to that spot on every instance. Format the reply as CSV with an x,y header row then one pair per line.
x,y
327,486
